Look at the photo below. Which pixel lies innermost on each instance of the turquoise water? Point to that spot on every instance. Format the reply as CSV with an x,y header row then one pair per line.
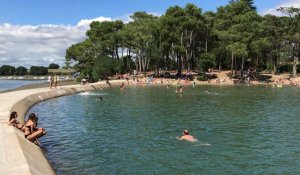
x,y
241,130
11,84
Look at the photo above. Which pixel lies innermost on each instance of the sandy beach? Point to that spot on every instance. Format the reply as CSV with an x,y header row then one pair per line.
x,y
222,79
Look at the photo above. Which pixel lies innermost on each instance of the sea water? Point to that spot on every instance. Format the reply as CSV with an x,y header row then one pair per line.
x,y
11,84
240,130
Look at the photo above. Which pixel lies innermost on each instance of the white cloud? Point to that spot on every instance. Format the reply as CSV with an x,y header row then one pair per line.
x,y
285,3
125,18
27,45
86,22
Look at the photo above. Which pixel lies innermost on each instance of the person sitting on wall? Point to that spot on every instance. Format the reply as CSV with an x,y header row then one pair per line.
x,y
13,121
32,133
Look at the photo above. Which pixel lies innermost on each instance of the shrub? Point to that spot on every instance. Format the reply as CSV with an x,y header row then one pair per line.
x,y
7,70
104,67
202,78
205,77
205,61
21,70
38,70
53,66
285,68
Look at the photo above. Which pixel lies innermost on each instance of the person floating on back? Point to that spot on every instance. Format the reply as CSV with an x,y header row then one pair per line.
x,y
187,137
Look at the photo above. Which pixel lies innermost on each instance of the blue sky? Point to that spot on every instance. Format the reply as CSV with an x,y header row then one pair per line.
x,y
38,32
36,12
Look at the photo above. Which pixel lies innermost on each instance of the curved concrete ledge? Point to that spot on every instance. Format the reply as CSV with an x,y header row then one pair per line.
x,y
17,154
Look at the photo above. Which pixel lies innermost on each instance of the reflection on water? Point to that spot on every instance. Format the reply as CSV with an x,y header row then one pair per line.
x,y
241,130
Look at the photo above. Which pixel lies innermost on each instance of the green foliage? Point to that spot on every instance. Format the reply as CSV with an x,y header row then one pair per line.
x,y
269,67
53,66
202,78
234,37
127,65
104,67
38,70
6,70
205,77
285,68
206,61
21,70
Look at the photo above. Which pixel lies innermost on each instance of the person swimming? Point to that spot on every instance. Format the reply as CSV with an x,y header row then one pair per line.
x,y
186,136
180,90
122,86
100,98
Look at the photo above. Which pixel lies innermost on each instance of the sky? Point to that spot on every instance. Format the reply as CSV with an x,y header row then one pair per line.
x,y
38,32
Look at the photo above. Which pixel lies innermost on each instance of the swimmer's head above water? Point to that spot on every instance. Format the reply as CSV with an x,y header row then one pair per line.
x,y
185,132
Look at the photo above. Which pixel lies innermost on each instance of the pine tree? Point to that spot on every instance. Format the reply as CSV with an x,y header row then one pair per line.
x,y
249,2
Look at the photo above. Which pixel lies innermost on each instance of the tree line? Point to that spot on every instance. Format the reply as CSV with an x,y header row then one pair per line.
x,y
8,70
235,38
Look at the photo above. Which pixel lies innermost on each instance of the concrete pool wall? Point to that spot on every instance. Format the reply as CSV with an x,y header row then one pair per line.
x,y
17,154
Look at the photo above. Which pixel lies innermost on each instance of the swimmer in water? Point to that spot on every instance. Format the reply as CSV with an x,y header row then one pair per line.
x,y
100,98
180,90
186,137
122,86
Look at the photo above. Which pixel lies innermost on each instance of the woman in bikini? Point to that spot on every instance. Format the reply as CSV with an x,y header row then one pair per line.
x,y
32,133
13,121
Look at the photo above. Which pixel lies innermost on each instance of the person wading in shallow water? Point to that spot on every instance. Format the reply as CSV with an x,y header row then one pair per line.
x,y
186,136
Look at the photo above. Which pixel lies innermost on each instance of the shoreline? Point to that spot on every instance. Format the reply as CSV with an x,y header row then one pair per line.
x,y
29,158
39,85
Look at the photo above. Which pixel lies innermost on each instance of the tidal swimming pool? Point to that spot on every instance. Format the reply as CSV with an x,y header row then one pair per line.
x,y
241,130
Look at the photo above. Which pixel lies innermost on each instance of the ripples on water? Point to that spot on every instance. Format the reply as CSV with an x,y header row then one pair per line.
x,y
241,130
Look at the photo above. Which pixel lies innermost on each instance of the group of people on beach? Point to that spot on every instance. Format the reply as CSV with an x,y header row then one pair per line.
x,y
30,129
295,83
